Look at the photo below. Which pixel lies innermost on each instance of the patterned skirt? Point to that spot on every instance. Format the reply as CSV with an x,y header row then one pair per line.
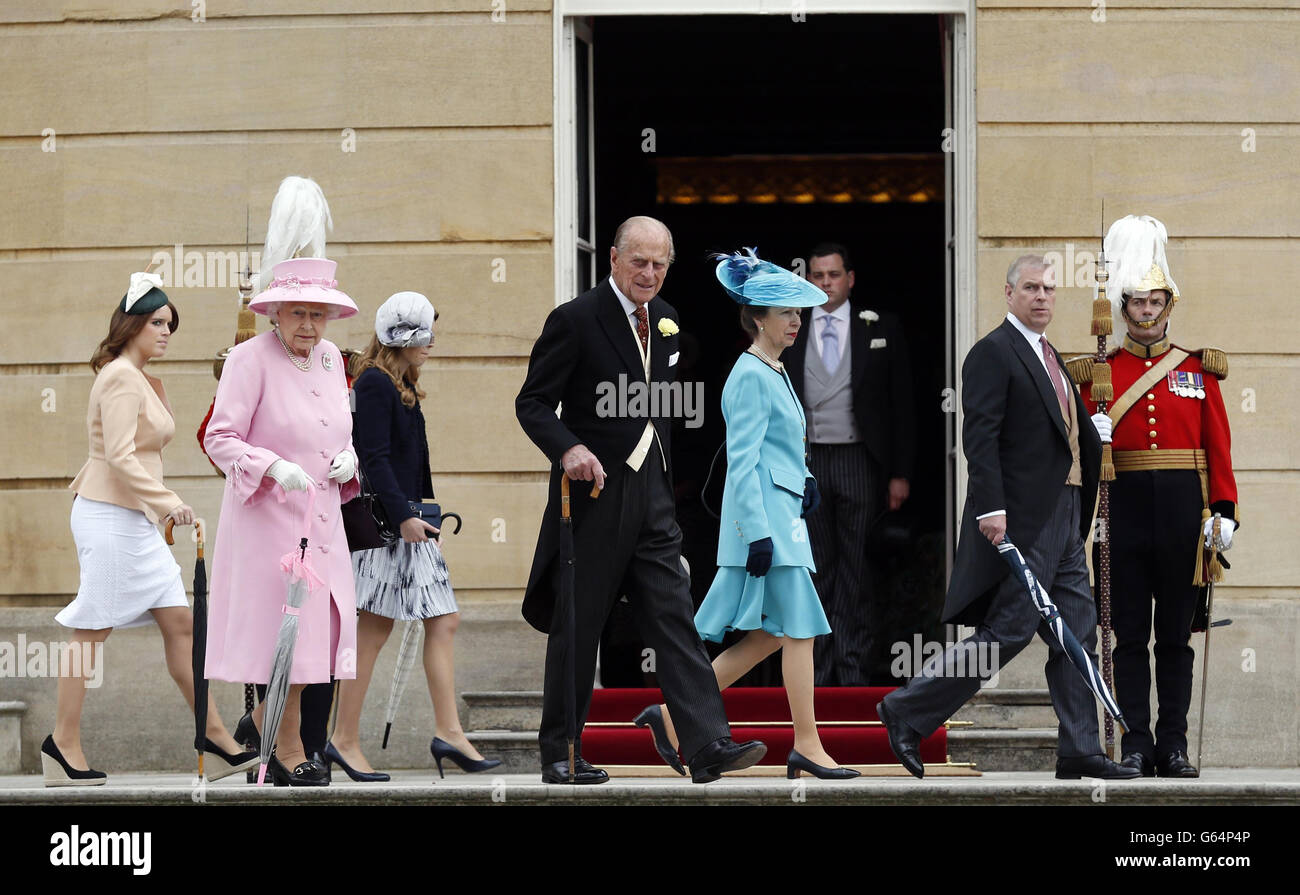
x,y
403,581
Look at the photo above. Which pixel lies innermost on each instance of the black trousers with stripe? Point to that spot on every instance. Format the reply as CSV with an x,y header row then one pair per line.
x,y
851,487
628,543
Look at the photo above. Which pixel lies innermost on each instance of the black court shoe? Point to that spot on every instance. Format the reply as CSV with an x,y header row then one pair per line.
x,y
795,763
653,717
332,756
442,749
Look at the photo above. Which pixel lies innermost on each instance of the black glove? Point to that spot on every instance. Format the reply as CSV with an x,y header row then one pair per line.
x,y
812,496
760,558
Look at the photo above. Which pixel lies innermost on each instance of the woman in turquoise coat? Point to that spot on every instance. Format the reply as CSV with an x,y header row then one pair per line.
x,y
764,583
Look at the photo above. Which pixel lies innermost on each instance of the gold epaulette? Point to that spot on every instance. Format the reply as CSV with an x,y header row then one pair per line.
x,y
1213,360
1081,368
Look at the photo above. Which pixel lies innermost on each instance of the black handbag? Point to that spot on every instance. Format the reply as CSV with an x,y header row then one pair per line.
x,y
365,521
432,513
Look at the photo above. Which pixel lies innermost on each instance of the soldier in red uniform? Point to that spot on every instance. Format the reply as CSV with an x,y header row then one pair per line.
x,y
1173,465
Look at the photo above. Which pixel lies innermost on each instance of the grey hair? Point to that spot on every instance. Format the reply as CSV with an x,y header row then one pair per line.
x,y
638,222
1034,262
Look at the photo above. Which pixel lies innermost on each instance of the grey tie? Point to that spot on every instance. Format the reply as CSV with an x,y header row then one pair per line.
x,y
830,345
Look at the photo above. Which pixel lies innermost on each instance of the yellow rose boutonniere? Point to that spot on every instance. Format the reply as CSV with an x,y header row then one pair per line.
x,y
667,327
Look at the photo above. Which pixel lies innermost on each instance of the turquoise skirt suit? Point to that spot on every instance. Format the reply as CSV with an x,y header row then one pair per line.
x,y
763,498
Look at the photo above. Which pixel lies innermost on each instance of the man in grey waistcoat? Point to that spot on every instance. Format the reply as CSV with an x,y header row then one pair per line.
x,y
852,371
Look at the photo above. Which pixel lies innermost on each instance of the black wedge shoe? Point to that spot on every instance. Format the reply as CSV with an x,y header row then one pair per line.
x,y
442,749
796,764
218,763
332,756
59,773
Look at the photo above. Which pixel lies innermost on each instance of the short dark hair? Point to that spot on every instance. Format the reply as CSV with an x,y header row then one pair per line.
x,y
822,249
749,317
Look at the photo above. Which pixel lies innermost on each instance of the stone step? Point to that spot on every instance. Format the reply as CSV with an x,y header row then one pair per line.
x,y
1009,709
503,710
995,749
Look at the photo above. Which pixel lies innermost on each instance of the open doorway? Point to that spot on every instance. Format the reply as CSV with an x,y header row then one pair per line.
x,y
763,131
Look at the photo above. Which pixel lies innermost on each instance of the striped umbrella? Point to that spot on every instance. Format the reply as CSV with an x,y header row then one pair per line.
x,y
1079,658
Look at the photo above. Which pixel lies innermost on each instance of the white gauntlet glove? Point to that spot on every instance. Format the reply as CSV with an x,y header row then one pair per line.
x,y
1104,426
290,475
344,467
1226,528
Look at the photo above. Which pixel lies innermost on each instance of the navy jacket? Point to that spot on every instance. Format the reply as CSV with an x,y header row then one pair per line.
x,y
391,444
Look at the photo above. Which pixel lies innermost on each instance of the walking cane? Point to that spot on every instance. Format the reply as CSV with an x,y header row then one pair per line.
x,y
567,606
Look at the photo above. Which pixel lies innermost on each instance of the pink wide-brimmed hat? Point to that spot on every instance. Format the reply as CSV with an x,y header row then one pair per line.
x,y
304,281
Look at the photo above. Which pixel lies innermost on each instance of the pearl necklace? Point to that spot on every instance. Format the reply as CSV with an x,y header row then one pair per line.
x,y
758,352
296,358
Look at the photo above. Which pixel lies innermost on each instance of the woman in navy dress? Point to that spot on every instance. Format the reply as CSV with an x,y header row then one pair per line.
x,y
764,582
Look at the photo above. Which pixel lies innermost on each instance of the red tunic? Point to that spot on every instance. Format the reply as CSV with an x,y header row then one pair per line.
x,y
1164,420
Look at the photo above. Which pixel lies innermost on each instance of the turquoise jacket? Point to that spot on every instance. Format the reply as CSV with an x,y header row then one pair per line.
x,y
763,495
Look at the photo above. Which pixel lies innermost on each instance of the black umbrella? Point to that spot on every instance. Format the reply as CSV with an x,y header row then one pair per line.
x,y
200,644
1047,609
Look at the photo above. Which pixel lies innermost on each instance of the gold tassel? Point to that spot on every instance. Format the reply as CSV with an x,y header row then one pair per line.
x,y
1216,567
1102,387
1107,464
1198,575
1080,368
246,326
1215,361
1103,323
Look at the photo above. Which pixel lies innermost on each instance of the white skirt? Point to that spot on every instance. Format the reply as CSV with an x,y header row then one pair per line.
x,y
404,581
126,568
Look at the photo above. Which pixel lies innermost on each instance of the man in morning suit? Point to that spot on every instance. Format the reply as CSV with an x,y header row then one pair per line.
x,y
1033,457
626,540
851,369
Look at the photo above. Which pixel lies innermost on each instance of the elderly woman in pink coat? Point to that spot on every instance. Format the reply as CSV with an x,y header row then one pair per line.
x,y
281,426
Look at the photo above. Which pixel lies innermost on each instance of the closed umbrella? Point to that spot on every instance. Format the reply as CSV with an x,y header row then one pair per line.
x,y
302,581
200,645
1080,659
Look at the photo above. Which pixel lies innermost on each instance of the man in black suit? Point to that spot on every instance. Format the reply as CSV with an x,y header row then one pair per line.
x,y
1033,457
852,372
617,335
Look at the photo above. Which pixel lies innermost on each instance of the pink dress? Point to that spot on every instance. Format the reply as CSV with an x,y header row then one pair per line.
x,y
267,409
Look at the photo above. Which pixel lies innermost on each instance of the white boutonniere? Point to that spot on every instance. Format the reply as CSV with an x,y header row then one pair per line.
x,y
869,316
667,327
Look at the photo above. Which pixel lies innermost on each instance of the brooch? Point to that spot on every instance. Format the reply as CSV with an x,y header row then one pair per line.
x,y
327,361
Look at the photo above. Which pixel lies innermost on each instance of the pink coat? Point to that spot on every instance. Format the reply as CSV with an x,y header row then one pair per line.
x,y
267,409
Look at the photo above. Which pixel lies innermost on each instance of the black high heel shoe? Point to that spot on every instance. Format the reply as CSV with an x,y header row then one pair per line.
x,y
332,756
246,733
442,749
795,763
218,763
653,717
59,773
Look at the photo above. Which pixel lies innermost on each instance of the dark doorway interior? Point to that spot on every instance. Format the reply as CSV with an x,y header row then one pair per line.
x,y
719,87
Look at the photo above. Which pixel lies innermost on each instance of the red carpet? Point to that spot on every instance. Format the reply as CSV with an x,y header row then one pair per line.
x,y
846,720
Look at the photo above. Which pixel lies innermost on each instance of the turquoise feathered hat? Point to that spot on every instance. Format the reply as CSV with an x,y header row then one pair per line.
x,y
750,280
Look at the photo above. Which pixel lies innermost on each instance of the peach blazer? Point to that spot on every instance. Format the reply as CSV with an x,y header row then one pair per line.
x,y
129,421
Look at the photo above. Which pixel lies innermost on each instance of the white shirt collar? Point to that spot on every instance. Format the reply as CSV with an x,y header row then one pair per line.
x,y
1031,336
841,313
629,306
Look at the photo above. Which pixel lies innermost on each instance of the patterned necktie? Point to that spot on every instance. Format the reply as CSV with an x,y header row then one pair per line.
x,y
1054,372
643,327
830,345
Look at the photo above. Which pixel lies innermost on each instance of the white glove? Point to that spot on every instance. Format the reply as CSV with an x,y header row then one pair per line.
x,y
1104,426
344,467
290,475
1226,528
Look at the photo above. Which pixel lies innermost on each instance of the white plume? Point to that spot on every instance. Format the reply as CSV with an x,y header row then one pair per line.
x,y
1132,245
300,217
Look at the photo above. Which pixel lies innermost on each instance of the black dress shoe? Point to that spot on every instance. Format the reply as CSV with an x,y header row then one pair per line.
x,y
1176,764
583,772
1140,761
905,741
653,717
796,763
723,755
1098,766
308,773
